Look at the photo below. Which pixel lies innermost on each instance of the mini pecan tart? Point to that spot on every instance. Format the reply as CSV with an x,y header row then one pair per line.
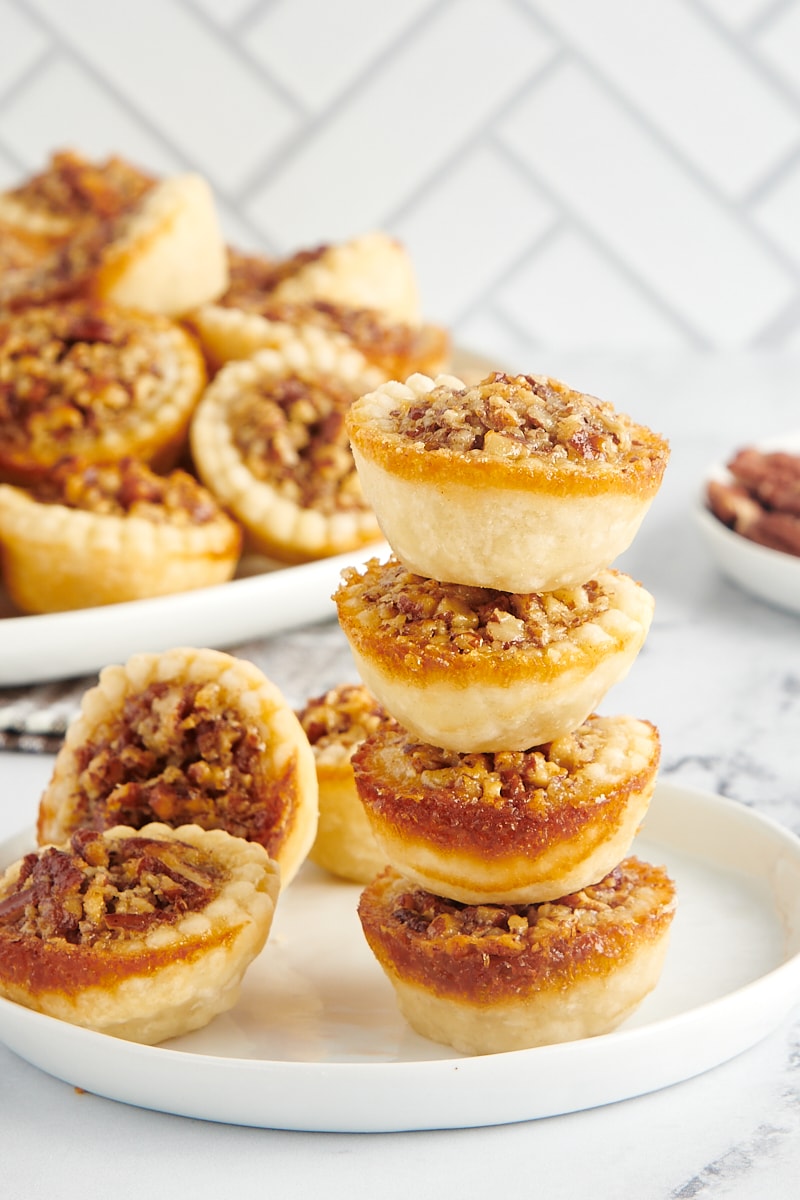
x,y
371,271
159,250
491,978
335,723
93,381
470,668
242,322
187,736
102,533
142,934
512,827
269,439
517,483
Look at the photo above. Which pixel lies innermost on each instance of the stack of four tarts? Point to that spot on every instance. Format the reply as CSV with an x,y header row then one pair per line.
x,y
511,914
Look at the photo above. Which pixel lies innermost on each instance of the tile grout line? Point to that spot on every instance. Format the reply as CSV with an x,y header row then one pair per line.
x,y
743,219
698,339
741,49
481,131
289,151
68,51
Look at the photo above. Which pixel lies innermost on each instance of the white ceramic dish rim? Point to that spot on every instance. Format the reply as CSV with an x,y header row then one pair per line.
x,y
455,1092
37,649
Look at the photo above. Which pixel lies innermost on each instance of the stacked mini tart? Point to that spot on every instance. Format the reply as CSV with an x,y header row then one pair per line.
x,y
511,914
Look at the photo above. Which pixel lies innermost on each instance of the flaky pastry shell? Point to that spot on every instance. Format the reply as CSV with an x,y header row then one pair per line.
x,y
493,978
169,536
90,380
472,669
187,736
141,934
518,483
335,723
268,439
373,270
515,827
230,330
168,255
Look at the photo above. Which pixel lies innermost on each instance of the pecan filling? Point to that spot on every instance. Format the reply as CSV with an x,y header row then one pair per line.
x,y
504,928
107,889
536,779
508,416
511,801
395,347
181,754
291,434
253,279
71,186
341,719
421,615
68,373
128,489
483,953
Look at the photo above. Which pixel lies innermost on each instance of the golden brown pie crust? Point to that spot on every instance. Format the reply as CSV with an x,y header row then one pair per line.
x,y
104,533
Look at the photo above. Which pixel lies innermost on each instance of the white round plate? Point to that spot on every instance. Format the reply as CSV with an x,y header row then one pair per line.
x,y
768,574
62,645
316,1042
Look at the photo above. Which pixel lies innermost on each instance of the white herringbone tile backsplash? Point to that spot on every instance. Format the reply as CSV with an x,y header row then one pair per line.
x,y
567,174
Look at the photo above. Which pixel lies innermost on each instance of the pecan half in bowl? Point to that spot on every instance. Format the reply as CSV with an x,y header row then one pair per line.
x,y
493,978
471,668
512,827
518,483
188,736
104,533
142,934
749,519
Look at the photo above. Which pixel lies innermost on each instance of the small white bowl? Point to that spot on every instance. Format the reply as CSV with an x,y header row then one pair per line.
x,y
772,575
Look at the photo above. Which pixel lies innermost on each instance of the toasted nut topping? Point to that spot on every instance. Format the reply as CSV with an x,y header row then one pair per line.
x,y
128,488
290,432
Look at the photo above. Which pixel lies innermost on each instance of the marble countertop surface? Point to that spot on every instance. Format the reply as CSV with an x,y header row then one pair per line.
x,y
720,677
